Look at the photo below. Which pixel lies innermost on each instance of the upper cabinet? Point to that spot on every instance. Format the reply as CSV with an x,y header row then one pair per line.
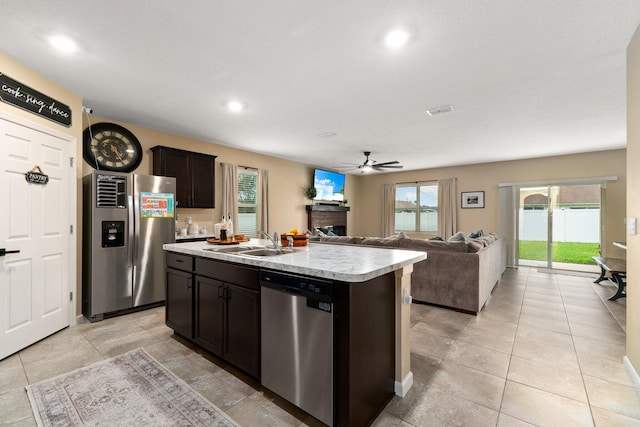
x,y
194,173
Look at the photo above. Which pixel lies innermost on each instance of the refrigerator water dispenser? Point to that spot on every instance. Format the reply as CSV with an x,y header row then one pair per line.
x,y
112,234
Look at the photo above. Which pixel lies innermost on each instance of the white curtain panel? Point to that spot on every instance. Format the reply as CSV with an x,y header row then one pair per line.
x,y
230,191
447,208
508,210
388,209
263,199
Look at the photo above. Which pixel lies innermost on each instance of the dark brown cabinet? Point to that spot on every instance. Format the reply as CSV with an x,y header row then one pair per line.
x,y
179,294
227,322
216,304
194,173
209,314
242,327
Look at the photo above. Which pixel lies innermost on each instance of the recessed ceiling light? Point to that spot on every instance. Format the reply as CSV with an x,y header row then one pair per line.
x,y
396,38
235,106
63,43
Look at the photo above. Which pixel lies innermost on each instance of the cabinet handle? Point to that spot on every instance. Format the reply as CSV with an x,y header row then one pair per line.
x,y
189,283
221,291
228,293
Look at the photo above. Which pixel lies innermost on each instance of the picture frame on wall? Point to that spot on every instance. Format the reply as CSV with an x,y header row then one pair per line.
x,y
472,200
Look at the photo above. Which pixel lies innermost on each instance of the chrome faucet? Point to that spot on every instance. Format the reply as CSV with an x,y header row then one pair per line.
x,y
273,240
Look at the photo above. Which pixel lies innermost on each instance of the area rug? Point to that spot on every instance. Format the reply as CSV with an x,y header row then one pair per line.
x,y
132,389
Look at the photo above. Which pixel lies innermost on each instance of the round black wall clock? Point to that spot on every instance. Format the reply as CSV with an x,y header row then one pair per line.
x,y
110,147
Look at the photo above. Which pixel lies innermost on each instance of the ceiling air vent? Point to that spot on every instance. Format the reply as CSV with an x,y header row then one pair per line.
x,y
440,110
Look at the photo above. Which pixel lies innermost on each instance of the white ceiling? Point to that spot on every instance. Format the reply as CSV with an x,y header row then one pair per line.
x,y
526,78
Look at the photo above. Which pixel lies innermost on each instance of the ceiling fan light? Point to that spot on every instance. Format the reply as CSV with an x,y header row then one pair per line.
x,y
367,168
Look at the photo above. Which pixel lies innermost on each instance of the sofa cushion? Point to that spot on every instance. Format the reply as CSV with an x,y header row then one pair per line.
x,y
434,245
338,239
393,241
473,245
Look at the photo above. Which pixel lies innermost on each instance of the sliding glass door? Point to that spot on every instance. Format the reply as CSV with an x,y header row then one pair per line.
x,y
559,226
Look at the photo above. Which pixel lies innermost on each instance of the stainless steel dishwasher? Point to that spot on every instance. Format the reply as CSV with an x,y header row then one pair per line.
x,y
297,341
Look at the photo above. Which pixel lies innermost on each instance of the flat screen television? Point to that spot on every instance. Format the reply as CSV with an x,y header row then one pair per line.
x,y
329,185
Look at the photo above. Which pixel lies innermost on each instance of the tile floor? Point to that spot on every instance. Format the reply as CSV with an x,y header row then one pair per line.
x,y
546,350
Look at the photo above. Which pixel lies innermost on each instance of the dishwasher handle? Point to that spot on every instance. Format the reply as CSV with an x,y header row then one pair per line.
x,y
291,290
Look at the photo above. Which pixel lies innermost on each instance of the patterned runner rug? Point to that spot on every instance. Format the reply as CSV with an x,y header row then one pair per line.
x,y
132,389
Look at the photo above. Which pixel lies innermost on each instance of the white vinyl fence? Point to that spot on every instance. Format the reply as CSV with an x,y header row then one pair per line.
x,y
569,225
406,221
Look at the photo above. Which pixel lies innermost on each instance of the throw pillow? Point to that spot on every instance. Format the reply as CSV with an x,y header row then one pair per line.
x,y
331,233
458,237
475,235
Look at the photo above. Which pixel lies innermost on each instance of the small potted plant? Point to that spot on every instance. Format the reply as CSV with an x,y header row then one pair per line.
x,y
310,192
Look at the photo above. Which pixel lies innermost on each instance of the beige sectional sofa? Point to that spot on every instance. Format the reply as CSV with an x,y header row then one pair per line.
x,y
456,274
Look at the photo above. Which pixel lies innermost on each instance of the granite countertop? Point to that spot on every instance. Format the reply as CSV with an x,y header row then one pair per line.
x,y
194,236
346,263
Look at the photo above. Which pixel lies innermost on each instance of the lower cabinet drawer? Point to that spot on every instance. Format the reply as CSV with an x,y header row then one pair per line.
x,y
180,261
247,277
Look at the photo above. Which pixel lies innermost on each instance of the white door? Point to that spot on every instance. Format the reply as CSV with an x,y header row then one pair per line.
x,y
35,220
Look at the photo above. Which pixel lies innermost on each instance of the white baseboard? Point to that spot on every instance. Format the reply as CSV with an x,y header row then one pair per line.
x,y
78,320
403,388
632,374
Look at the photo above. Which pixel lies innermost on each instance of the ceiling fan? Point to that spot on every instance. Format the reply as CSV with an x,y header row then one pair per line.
x,y
371,165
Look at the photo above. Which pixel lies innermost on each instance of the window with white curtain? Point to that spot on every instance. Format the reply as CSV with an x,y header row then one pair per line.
x,y
247,201
417,207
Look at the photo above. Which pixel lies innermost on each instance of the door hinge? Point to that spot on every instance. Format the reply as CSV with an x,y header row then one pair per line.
x,y
70,296
71,161
71,229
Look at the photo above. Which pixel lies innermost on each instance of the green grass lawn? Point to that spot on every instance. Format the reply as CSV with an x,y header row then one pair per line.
x,y
573,253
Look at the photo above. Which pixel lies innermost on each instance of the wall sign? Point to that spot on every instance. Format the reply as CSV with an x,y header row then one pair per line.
x,y
36,176
22,96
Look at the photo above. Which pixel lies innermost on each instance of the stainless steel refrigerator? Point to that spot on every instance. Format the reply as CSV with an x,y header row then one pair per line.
x,y
126,220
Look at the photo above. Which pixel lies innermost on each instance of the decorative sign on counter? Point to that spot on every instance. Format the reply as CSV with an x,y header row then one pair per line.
x,y
22,96
36,176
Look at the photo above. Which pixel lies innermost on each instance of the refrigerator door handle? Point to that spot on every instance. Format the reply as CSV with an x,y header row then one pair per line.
x,y
132,240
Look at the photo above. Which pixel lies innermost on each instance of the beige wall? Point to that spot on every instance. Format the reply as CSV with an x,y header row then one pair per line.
x,y
633,203
24,75
486,177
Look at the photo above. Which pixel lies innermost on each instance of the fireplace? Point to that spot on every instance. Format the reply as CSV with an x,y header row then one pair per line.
x,y
325,216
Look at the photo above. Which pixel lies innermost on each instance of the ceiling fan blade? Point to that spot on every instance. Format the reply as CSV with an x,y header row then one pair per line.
x,y
394,162
387,166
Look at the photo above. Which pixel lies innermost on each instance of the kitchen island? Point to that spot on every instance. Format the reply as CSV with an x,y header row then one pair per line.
x,y
371,288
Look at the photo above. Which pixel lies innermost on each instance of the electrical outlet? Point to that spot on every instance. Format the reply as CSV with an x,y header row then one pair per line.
x,y
632,226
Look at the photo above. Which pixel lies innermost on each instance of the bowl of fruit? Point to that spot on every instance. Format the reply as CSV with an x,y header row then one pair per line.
x,y
299,239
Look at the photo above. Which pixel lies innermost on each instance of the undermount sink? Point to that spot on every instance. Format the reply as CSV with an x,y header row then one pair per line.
x,y
266,252
231,249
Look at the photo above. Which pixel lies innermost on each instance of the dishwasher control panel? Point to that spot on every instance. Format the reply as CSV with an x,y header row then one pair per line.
x,y
319,293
